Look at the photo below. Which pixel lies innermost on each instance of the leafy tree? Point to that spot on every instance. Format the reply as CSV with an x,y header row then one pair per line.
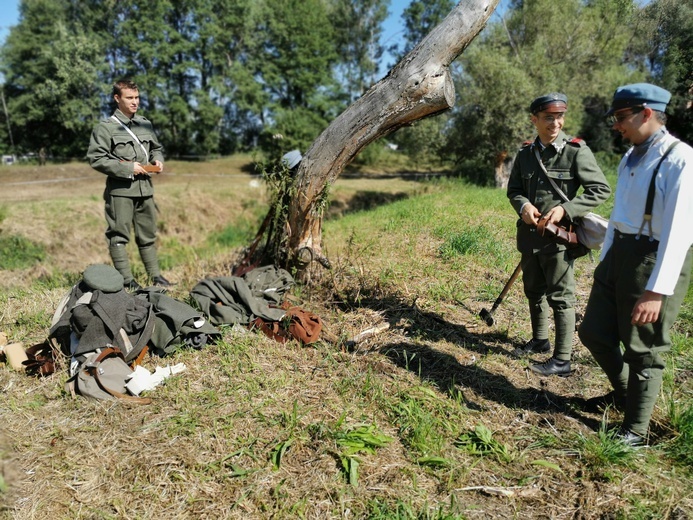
x,y
419,18
357,29
290,58
665,44
538,46
51,69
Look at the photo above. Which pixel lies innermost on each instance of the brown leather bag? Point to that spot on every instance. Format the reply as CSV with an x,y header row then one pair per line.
x,y
41,359
303,326
561,234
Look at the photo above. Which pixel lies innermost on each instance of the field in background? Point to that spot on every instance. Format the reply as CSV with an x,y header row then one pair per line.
x,y
431,418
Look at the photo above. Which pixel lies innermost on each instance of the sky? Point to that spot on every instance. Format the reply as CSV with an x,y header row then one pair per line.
x,y
9,14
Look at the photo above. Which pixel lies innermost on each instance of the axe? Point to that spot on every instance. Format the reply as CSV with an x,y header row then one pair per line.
x,y
487,315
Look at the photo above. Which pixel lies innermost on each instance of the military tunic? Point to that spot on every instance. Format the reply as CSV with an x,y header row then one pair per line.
x,y
547,265
113,152
128,197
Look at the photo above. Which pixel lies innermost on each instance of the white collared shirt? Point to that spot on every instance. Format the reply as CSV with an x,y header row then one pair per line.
x,y
672,212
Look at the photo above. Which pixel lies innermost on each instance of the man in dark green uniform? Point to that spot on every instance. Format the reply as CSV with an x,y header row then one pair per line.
x,y
122,147
547,265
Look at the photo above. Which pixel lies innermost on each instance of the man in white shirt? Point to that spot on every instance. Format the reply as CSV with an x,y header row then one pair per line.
x,y
645,265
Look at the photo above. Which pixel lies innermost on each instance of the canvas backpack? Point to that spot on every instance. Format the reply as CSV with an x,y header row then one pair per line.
x,y
103,375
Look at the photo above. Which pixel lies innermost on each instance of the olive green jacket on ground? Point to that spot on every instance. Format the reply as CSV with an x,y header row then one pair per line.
x,y
571,165
113,152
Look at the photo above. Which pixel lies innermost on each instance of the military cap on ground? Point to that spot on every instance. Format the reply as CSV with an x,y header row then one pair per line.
x,y
103,277
638,94
556,101
292,158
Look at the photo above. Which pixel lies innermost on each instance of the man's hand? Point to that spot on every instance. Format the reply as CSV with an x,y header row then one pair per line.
x,y
646,309
160,165
139,169
530,214
554,215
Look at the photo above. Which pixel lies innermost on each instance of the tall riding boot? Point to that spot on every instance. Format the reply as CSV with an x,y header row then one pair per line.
x,y
119,255
565,331
150,261
539,314
643,390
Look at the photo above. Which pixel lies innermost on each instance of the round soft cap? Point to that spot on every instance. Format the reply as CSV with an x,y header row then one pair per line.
x,y
292,158
638,94
556,101
103,277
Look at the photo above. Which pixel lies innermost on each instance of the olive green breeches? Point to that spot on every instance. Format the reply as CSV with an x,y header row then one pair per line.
x,y
122,213
636,370
549,282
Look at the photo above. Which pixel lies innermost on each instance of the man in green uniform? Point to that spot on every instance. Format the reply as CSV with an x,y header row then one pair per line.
x,y
547,265
121,147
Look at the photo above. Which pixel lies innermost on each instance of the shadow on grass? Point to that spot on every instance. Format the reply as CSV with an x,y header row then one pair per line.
x,y
362,201
452,377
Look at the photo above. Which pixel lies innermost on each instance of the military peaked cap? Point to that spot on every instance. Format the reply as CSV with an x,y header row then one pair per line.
x,y
103,277
638,94
555,100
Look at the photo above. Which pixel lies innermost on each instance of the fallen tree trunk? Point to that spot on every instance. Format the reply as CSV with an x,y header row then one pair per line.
x,y
419,85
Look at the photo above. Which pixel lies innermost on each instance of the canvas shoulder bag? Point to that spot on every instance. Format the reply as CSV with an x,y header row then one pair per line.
x,y
591,228
103,375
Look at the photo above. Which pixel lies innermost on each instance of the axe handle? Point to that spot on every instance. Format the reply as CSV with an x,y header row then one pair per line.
x,y
508,285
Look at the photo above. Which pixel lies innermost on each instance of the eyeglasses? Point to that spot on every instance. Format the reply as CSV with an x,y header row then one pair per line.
x,y
551,119
620,118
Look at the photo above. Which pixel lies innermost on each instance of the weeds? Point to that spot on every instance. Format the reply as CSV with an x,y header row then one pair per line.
x,y
363,439
680,448
401,510
604,451
480,441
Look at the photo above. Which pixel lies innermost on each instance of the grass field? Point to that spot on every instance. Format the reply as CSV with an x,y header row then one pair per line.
x,y
429,418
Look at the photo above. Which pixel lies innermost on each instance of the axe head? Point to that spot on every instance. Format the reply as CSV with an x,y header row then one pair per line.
x,y
486,316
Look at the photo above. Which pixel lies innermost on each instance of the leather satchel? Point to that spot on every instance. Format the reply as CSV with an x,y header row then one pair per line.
x,y
299,324
559,233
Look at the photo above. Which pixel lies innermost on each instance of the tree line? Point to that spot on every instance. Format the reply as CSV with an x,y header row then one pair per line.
x,y
223,76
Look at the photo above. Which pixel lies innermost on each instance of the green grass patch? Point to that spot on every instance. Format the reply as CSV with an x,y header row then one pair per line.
x,y
18,252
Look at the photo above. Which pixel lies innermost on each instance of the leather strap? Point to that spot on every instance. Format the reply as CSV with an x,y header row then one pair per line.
x,y
555,186
132,134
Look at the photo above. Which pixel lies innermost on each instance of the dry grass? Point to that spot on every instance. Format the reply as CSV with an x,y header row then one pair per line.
x,y
204,448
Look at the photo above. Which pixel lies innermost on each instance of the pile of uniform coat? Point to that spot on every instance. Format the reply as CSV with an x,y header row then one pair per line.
x,y
257,300
98,311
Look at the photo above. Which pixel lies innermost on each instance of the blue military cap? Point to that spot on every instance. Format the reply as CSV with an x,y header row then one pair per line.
x,y
638,94
555,100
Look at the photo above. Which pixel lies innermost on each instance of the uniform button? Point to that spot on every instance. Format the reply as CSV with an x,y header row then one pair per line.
x,y
560,175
